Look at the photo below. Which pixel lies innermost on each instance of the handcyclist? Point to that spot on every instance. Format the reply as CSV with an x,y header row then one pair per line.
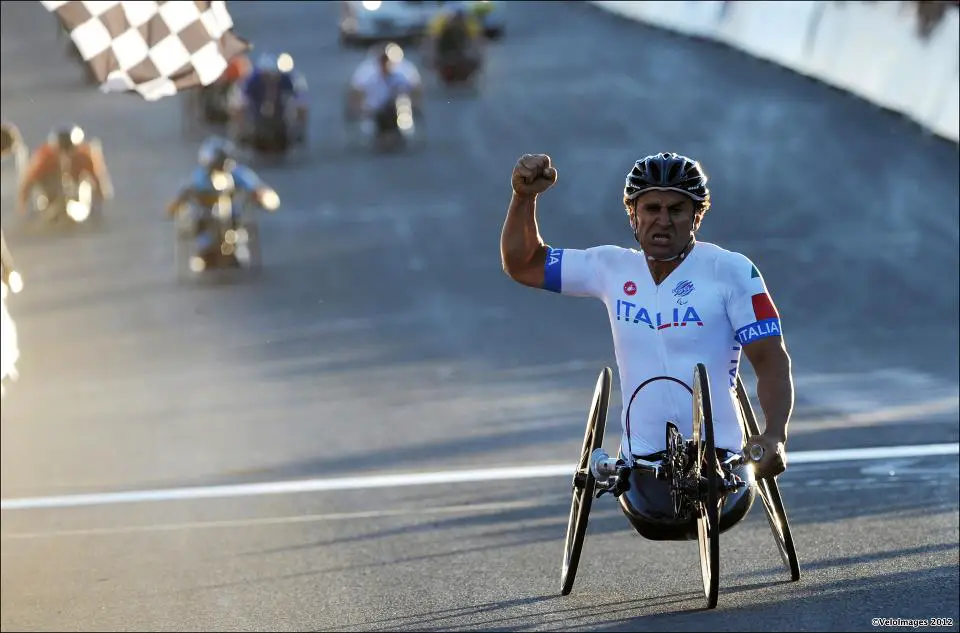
x,y
455,42
216,171
672,304
67,150
11,144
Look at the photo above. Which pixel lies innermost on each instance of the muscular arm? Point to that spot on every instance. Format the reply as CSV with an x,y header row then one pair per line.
x,y
355,92
35,169
99,164
185,193
522,251
354,98
771,363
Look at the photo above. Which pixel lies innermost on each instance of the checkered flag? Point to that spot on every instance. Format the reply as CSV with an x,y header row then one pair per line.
x,y
153,48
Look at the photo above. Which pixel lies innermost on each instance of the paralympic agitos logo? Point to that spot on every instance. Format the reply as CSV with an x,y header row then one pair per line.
x,y
678,317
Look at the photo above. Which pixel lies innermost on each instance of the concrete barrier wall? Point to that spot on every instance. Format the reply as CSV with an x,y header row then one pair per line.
x,y
875,50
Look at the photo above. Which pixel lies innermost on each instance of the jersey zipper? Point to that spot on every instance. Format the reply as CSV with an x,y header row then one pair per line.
x,y
671,402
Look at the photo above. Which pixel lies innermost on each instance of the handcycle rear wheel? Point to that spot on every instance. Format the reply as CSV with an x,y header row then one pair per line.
x,y
706,471
769,493
584,483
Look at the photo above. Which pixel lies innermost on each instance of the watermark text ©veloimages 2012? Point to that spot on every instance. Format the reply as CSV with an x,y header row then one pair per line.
x,y
913,623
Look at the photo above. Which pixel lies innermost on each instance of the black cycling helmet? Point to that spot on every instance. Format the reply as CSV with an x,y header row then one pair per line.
x,y
67,137
667,172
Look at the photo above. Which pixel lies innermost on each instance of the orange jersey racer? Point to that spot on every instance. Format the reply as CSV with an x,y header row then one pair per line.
x,y
66,148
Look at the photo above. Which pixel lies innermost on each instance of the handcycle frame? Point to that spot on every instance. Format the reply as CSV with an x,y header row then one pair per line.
x,y
699,481
232,223
361,128
53,199
256,143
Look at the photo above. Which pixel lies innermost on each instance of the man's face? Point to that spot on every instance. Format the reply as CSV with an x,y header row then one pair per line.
x,y
664,222
384,63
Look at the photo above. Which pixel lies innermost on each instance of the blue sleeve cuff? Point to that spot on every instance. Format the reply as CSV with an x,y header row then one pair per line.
x,y
758,330
245,179
551,270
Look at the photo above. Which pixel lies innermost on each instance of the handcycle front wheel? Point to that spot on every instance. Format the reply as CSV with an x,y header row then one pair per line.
x,y
706,472
769,493
584,483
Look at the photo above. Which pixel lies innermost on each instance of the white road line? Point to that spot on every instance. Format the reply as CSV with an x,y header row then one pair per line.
x,y
502,506
518,473
881,452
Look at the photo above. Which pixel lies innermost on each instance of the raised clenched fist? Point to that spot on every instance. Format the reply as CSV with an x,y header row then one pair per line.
x,y
533,174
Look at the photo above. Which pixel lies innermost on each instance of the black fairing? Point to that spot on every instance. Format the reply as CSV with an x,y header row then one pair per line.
x,y
648,506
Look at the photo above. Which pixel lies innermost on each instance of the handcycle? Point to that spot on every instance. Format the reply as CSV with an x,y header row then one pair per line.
x,y
274,131
698,480
396,126
67,201
229,225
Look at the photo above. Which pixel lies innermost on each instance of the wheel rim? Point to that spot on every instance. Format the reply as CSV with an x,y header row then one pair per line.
x,y
572,527
774,521
708,509
703,524
769,496
780,528
584,484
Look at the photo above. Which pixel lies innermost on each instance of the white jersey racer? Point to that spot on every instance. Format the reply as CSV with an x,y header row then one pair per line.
x,y
705,311
377,88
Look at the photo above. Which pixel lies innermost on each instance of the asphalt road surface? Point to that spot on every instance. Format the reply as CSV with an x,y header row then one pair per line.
x,y
384,338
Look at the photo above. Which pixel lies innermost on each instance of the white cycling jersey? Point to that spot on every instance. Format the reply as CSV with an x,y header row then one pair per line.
x,y
705,311
377,89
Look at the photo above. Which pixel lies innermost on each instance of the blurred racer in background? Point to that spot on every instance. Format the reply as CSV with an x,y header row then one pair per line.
x,y
66,149
214,99
455,42
10,139
273,88
379,79
216,166
10,276
238,68
11,144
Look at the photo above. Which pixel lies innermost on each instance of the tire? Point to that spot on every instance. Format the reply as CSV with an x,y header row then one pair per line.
x,y
584,484
182,250
252,226
706,469
769,493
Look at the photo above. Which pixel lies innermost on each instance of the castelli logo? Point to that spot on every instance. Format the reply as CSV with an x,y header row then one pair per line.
x,y
630,288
